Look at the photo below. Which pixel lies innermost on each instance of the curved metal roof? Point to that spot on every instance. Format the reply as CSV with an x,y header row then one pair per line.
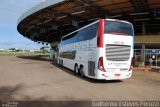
x,y
52,19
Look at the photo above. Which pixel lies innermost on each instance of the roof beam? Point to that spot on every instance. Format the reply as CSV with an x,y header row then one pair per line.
x,y
140,5
88,5
103,13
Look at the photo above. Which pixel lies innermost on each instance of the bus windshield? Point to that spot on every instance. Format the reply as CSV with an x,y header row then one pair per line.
x,y
117,27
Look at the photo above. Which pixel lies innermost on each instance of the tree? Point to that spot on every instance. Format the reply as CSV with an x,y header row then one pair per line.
x,y
13,49
44,49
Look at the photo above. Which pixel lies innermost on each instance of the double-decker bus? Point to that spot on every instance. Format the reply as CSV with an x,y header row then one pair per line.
x,y
100,50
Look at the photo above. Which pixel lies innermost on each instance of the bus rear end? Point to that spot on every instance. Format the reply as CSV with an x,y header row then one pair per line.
x,y
115,49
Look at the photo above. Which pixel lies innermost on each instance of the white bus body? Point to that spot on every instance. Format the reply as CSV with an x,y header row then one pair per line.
x,y
100,50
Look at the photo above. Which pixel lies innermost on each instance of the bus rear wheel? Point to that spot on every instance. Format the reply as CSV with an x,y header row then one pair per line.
x,y
81,71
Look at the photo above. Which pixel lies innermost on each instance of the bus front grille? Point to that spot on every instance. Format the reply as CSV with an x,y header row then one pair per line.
x,y
117,52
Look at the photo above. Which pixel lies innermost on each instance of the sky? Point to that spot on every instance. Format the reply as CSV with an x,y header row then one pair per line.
x,y
10,11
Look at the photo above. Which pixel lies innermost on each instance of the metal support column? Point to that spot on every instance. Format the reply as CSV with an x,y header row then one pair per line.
x,y
144,28
143,45
143,55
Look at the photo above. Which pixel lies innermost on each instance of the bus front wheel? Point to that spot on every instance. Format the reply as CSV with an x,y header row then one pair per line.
x,y
76,70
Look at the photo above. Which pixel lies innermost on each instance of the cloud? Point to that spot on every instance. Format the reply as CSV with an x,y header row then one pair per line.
x,y
6,43
20,45
10,11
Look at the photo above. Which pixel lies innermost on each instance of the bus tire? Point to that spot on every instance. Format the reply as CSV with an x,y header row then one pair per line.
x,y
76,70
61,62
81,71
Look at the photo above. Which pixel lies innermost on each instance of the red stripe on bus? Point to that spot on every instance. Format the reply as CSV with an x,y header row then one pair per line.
x,y
100,33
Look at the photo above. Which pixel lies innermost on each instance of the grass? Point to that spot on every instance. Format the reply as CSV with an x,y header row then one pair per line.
x,y
21,54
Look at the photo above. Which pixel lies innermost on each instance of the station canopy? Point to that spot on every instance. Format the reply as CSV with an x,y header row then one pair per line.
x,y
56,20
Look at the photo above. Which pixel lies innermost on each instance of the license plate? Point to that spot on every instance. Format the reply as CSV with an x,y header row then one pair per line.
x,y
111,70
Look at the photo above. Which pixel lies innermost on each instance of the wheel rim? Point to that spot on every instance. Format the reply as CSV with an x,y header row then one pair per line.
x,y
76,70
82,71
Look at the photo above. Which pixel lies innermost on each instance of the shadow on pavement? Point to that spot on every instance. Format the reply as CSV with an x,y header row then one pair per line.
x,y
38,57
8,93
83,78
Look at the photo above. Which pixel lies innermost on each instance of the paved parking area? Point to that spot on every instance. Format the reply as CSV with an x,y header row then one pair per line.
x,y
30,78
